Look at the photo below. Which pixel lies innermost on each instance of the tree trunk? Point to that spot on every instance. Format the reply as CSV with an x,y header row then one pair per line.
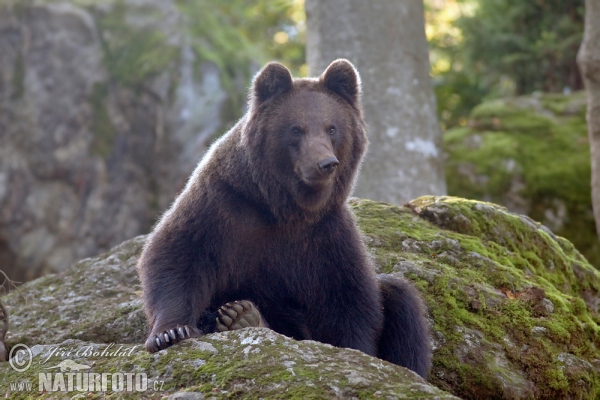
x,y
386,41
589,63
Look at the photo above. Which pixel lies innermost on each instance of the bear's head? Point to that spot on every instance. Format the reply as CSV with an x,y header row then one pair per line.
x,y
306,137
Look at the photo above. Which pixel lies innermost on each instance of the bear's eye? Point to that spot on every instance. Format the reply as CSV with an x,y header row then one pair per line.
x,y
296,131
332,130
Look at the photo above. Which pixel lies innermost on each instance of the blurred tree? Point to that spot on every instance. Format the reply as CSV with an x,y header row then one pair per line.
x,y
532,43
500,48
457,89
589,62
386,42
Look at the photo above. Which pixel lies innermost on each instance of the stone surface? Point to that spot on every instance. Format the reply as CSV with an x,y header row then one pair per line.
x,y
513,310
250,363
95,306
104,110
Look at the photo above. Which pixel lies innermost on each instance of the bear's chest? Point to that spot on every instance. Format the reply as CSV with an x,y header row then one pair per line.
x,y
259,241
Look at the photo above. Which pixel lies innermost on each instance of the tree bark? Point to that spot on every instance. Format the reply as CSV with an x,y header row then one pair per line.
x,y
588,59
386,41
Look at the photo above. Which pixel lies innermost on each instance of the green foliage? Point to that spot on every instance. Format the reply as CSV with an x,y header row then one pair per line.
x,y
532,43
235,33
133,55
530,152
496,48
236,36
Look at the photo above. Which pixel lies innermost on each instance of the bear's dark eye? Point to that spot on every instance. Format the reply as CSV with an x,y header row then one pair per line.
x,y
296,131
332,130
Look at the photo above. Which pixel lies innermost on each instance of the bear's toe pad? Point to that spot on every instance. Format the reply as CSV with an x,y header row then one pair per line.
x,y
238,315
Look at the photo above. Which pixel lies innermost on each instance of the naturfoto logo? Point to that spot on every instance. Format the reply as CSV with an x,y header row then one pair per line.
x,y
67,375
90,381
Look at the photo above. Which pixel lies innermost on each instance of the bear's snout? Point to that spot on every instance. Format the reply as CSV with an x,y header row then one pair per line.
x,y
328,165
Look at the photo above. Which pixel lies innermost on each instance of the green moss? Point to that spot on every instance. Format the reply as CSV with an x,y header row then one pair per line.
x,y
499,115
103,130
531,153
133,55
556,379
579,307
564,105
486,248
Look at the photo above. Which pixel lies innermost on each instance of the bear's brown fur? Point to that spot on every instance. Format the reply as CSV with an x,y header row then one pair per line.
x,y
3,330
264,218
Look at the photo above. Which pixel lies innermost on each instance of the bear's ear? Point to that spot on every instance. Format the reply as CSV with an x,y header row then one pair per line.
x,y
270,81
342,78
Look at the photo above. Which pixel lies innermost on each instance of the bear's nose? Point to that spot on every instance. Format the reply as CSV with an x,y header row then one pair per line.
x,y
328,165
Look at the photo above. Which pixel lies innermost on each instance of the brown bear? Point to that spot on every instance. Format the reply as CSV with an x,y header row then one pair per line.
x,y
3,330
263,224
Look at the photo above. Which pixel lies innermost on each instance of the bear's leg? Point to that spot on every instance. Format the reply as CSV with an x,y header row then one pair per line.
x,y
174,301
3,329
349,314
405,338
238,315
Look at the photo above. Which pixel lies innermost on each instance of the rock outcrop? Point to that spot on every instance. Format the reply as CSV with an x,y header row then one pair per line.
x,y
105,108
95,306
513,310
530,154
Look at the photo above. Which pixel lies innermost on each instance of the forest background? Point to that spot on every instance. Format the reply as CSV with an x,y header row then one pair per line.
x,y
508,90
92,93
479,50
106,106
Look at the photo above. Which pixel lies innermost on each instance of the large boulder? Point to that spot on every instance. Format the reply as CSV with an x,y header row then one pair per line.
x,y
530,154
95,306
105,108
513,310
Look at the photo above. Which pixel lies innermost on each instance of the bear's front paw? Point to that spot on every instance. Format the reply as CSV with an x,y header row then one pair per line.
x,y
238,315
163,339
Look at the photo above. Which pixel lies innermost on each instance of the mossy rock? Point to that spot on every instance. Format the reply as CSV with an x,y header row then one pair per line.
x,y
530,154
249,363
506,296
513,310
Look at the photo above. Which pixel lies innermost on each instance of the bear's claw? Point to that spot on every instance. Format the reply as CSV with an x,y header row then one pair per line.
x,y
238,315
231,316
169,337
